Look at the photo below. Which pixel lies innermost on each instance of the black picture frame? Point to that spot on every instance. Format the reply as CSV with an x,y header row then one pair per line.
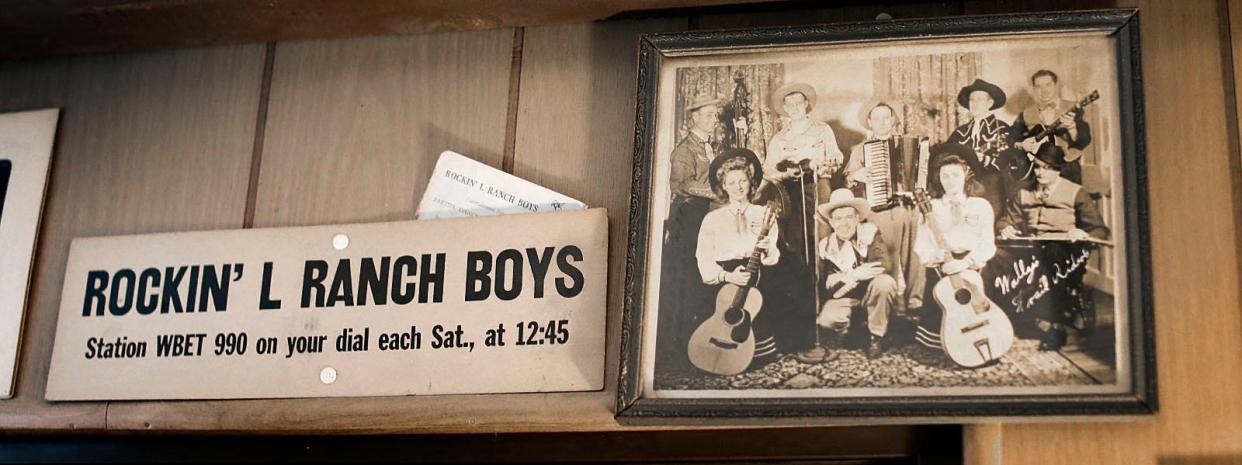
x,y
1122,24
6,169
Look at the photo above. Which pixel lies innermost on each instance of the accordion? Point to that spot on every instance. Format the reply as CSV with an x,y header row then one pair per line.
x,y
894,168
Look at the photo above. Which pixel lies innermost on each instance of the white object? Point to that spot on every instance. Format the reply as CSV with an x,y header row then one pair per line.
x,y
25,152
461,187
410,308
327,375
340,241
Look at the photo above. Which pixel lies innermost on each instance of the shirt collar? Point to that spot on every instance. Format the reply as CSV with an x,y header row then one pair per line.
x,y
838,244
977,125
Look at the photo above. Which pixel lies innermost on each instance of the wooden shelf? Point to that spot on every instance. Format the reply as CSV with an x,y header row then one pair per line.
x,y
75,26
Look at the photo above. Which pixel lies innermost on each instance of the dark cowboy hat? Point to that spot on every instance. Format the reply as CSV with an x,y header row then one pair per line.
x,y
1051,155
939,152
703,100
778,97
998,95
942,150
730,154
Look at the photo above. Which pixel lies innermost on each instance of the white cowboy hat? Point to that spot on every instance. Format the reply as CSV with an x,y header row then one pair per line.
x,y
843,198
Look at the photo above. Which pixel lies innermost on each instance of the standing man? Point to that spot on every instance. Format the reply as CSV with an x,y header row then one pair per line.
x,y
684,299
858,270
694,154
990,138
897,222
802,139
800,157
1074,135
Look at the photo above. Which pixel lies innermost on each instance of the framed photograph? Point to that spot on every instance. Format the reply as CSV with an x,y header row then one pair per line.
x,y
925,218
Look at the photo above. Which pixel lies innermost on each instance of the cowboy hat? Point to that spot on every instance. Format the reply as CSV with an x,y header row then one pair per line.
x,y
864,113
843,198
1051,155
730,154
998,95
938,152
778,97
703,100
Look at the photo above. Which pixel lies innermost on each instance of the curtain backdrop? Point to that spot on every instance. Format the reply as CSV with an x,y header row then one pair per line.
x,y
925,88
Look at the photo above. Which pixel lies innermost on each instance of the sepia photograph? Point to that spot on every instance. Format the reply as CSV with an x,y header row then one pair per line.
x,y
946,225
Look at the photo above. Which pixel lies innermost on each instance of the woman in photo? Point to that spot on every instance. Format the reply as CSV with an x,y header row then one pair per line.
x,y
965,220
728,238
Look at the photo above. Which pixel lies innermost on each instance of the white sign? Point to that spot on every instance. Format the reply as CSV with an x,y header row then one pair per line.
x,y
25,151
475,305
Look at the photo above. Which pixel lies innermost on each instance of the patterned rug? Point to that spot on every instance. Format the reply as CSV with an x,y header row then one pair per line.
x,y
908,366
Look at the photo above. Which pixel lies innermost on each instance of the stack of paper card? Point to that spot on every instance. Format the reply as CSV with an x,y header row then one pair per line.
x,y
461,187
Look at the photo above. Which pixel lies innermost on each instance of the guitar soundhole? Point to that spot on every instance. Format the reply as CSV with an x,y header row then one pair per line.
x,y
733,316
962,296
741,331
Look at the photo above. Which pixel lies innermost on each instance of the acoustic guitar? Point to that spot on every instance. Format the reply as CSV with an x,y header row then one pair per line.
x,y
724,344
974,330
1042,131
1012,156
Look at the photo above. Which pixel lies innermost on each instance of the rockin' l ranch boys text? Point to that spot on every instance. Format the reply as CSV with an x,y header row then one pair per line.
x,y
401,280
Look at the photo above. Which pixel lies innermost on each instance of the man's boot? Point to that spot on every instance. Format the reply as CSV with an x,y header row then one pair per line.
x,y
876,347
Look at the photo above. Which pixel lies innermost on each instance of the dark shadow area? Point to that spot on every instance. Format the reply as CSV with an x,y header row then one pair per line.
x,y
1201,460
6,168
1232,128
876,445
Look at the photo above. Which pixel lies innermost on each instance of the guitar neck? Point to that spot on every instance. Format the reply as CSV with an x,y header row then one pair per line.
x,y
1046,129
937,234
752,264
934,226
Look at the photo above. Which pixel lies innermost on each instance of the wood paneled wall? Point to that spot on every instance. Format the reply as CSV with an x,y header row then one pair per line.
x,y
1193,170
146,143
339,131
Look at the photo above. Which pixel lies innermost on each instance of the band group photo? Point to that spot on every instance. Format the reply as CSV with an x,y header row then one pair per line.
x,y
933,219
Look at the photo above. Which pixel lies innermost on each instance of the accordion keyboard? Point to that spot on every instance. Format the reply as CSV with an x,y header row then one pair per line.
x,y
879,173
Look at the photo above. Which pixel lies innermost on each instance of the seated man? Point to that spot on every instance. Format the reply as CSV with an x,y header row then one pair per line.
x,y
857,268
1053,205
1055,208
